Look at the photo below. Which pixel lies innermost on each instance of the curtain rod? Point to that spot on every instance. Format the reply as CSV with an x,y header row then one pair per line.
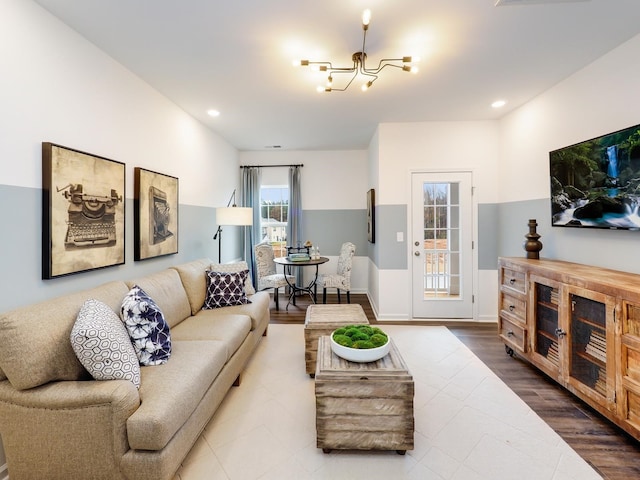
x,y
266,166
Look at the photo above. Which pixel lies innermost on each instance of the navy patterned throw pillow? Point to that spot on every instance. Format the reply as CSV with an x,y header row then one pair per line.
x,y
225,289
147,328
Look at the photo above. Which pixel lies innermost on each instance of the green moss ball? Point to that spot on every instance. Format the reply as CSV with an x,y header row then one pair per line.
x,y
342,340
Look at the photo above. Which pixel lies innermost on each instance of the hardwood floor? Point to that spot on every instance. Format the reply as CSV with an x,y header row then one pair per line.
x,y
612,452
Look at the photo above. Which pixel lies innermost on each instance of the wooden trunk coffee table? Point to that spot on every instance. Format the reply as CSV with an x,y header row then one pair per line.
x,y
363,406
323,320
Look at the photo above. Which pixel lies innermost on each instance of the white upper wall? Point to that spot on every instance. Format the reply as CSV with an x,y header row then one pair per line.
x,y
599,99
57,87
330,179
437,146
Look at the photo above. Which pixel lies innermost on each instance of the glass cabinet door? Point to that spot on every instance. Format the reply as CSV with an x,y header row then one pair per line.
x,y
589,345
547,323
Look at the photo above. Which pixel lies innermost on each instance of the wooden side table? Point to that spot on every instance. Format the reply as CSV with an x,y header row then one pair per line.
x,y
363,406
324,319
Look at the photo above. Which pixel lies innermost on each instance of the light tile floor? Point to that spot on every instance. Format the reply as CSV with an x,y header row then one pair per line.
x,y
468,424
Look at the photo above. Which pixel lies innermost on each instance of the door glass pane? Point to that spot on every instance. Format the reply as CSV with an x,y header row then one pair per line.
x,y
442,256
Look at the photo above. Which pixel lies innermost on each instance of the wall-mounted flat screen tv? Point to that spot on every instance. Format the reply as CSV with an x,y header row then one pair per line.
x,y
596,183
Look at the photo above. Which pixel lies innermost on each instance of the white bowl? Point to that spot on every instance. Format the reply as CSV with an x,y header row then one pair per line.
x,y
360,355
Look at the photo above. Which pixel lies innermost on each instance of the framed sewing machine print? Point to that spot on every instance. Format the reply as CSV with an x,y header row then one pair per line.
x,y
83,223
155,214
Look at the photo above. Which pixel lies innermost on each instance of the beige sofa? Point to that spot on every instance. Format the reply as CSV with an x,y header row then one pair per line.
x,y
57,422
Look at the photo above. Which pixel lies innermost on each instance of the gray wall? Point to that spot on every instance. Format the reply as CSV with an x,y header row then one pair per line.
x,y
329,229
598,247
22,253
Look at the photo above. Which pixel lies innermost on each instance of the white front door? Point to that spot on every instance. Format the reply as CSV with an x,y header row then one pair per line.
x,y
441,245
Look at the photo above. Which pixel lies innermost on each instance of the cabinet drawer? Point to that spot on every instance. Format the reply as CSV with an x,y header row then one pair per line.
x,y
513,334
514,279
513,305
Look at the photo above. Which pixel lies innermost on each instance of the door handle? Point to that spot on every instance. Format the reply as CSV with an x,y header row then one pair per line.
x,y
417,253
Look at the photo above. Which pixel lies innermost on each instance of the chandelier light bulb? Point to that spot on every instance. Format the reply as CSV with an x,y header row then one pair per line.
x,y
366,18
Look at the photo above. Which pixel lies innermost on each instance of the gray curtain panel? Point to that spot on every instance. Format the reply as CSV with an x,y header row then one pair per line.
x,y
250,197
294,224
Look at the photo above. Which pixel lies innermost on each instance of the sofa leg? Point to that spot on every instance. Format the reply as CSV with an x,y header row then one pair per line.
x,y
324,295
276,297
348,296
264,334
338,295
236,382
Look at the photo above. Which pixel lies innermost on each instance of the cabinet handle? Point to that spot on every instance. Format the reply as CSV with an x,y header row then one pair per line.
x,y
510,333
512,281
512,308
560,332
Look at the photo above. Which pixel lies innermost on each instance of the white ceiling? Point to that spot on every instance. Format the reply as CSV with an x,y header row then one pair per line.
x,y
235,56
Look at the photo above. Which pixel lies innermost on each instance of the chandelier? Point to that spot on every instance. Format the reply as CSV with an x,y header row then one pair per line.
x,y
359,64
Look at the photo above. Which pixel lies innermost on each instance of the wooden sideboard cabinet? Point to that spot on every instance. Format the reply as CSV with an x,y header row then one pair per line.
x,y
580,325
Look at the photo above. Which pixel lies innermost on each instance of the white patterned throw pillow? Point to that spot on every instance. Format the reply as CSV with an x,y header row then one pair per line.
x,y
147,328
102,344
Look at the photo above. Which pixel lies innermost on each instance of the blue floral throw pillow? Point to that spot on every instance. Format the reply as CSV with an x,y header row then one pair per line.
x,y
225,289
147,328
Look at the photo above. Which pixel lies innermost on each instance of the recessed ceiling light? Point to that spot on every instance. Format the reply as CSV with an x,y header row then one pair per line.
x,y
213,113
499,104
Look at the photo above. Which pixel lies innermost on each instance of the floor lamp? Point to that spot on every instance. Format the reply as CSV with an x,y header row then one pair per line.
x,y
231,215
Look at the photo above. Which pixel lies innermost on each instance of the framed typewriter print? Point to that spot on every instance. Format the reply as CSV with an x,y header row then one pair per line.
x,y
82,211
155,214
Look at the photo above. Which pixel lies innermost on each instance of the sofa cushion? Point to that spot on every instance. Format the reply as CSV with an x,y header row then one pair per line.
x,y
146,327
167,291
234,268
257,310
171,392
225,289
35,339
194,282
102,344
230,329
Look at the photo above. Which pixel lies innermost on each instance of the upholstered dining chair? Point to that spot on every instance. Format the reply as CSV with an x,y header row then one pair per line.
x,y
267,276
341,280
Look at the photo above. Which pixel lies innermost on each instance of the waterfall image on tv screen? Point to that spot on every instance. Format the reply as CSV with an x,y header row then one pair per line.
x,y
596,183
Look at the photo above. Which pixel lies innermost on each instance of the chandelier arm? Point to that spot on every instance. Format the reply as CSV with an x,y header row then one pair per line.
x,y
342,70
347,85
385,63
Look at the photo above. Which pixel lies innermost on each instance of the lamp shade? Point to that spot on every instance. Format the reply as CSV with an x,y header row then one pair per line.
x,y
234,216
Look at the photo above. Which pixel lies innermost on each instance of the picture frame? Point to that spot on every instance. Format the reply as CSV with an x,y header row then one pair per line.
x,y
83,214
371,216
155,214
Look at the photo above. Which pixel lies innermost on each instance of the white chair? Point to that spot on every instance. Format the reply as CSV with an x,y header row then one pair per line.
x,y
266,271
341,280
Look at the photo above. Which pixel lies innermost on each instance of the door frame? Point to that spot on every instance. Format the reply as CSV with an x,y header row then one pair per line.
x,y
474,239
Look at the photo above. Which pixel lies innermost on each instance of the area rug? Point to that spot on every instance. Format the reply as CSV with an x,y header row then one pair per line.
x,y
468,424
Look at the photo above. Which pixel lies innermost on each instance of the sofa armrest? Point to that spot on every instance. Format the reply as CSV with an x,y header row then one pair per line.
x,y
61,425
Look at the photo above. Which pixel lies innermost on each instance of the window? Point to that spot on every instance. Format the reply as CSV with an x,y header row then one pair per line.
x,y
274,214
